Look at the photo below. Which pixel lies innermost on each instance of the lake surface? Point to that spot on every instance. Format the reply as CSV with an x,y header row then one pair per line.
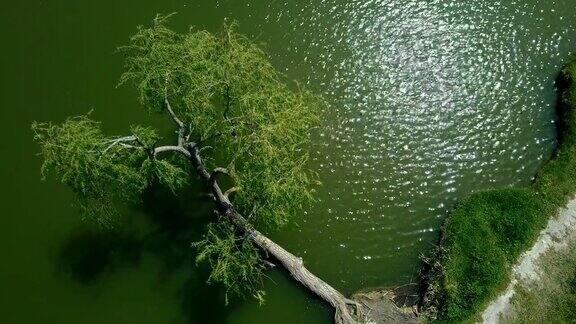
x,y
429,101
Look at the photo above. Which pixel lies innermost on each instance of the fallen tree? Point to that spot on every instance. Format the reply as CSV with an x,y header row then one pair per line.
x,y
235,117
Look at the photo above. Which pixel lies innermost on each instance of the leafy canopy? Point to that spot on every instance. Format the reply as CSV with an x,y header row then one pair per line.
x,y
224,87
243,115
101,170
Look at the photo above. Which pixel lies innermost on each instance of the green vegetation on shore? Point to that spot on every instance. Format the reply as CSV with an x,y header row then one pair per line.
x,y
552,297
486,233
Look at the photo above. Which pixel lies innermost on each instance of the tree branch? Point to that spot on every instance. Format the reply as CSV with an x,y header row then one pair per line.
x,y
201,141
122,139
119,140
172,113
216,173
293,264
168,148
230,191
182,129
197,162
220,198
169,107
269,264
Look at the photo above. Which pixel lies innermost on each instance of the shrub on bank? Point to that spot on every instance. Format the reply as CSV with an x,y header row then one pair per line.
x,y
486,233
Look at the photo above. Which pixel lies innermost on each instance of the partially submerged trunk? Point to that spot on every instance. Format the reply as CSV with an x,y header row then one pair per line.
x,y
344,307
373,307
347,311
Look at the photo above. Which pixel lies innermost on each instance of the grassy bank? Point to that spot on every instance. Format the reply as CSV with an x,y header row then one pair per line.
x,y
554,296
486,233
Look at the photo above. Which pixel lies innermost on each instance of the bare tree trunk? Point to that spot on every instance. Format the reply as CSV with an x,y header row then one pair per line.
x,y
347,311
344,307
295,266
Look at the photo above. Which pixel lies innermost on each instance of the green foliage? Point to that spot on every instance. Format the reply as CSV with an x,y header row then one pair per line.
x,y
147,136
486,233
226,89
102,170
235,261
168,174
75,151
481,239
227,93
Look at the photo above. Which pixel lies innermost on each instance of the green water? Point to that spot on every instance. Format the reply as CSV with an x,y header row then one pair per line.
x,y
430,100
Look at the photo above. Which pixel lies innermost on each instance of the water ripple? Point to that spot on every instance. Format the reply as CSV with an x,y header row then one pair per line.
x,y
430,100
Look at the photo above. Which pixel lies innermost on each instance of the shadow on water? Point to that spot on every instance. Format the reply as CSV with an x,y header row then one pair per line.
x,y
199,304
172,222
561,84
89,253
176,221
180,220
